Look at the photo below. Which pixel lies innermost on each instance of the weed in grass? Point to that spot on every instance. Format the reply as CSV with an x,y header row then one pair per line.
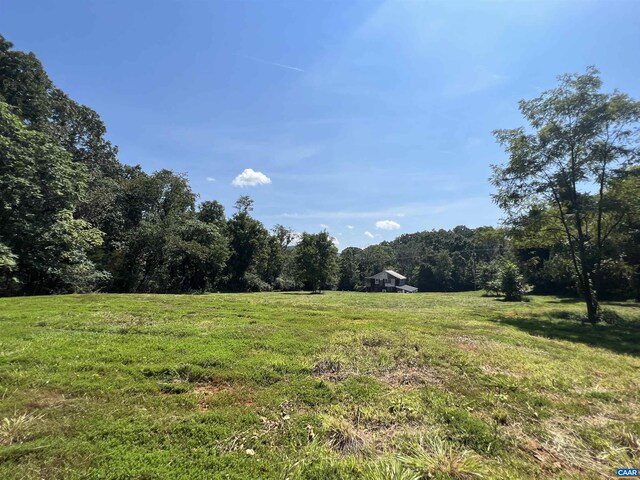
x,y
392,470
16,428
630,440
435,457
359,389
627,449
501,416
212,363
404,409
343,437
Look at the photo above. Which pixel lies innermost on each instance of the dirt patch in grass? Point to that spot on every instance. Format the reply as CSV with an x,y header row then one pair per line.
x,y
46,399
411,377
206,394
209,389
330,370
469,344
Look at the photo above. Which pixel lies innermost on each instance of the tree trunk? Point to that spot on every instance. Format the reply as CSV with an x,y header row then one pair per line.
x,y
591,299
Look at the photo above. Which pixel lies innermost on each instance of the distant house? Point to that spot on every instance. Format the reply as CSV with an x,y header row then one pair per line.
x,y
389,281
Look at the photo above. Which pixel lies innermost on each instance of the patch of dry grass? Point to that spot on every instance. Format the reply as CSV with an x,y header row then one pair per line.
x,y
17,428
343,436
432,457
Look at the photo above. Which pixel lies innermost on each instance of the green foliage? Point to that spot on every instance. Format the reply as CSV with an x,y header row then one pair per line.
x,y
40,186
503,277
436,274
196,253
376,258
350,275
561,171
512,283
8,264
437,260
489,277
250,246
316,259
212,212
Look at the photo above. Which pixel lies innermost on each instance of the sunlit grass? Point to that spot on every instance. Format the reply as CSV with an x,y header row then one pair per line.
x,y
289,385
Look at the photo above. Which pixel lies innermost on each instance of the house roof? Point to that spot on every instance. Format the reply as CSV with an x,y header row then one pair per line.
x,y
396,274
388,272
407,288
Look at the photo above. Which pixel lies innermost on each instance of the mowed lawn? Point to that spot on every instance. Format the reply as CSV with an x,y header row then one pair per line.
x,y
290,385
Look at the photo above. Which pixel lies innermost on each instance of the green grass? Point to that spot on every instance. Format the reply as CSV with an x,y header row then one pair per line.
x,y
341,385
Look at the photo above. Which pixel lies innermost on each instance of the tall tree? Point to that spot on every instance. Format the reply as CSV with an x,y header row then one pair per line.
x,y
155,206
376,258
40,186
249,242
350,277
580,140
316,261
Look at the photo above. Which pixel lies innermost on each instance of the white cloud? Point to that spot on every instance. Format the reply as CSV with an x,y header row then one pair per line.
x,y
387,225
250,178
324,227
369,234
350,227
211,179
335,241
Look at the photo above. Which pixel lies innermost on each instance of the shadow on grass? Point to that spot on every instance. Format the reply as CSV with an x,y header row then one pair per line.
x,y
569,300
604,303
624,304
623,338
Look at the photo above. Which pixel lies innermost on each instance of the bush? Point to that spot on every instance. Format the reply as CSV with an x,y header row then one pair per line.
x,y
285,284
254,283
503,277
512,283
489,277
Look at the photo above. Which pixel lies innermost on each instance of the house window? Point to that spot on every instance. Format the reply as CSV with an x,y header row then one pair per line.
x,y
377,281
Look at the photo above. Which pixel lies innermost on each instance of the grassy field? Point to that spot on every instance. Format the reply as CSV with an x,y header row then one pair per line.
x,y
289,385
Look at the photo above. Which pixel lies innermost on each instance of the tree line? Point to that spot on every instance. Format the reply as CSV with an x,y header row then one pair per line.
x,y
73,218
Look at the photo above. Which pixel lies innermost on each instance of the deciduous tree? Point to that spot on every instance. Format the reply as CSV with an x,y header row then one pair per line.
x,y
579,140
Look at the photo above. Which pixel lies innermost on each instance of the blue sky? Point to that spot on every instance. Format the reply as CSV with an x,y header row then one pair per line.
x,y
372,118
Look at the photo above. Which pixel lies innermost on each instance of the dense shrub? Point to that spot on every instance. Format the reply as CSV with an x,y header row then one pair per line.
x,y
512,284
